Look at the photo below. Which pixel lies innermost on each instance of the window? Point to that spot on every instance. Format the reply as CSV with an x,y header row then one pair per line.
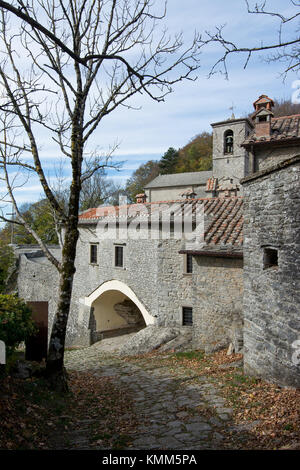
x,y
188,263
119,256
228,142
187,316
93,253
270,258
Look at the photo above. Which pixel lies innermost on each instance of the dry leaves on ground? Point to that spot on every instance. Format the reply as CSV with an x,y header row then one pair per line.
x,y
33,417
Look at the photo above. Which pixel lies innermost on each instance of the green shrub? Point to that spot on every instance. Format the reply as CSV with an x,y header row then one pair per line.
x,y
16,323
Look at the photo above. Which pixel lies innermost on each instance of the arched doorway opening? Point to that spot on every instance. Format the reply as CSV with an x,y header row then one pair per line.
x,y
116,310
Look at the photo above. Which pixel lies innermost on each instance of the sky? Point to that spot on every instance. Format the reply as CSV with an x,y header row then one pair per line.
x,y
147,133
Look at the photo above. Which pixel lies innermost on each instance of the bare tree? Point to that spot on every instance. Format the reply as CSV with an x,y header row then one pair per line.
x,y
284,48
65,66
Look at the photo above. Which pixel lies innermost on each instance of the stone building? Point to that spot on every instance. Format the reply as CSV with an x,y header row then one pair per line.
x,y
272,273
135,268
170,187
124,272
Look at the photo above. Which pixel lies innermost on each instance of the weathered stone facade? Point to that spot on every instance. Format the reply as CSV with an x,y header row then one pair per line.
x,y
267,156
218,300
154,273
272,273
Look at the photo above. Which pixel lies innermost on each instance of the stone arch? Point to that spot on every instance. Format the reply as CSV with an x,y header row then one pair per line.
x,y
116,309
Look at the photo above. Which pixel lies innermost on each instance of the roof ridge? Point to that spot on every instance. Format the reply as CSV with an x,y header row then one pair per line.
x,y
182,201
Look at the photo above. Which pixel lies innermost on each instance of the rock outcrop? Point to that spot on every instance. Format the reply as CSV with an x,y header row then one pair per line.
x,y
159,338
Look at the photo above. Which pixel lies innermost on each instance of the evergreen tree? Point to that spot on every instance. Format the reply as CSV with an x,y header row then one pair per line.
x,y
169,161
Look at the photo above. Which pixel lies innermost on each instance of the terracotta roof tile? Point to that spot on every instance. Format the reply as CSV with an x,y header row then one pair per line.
x,y
223,218
282,128
225,228
211,184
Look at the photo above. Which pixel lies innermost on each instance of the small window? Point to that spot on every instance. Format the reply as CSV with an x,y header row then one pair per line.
x,y
270,258
187,316
228,142
119,256
188,263
93,254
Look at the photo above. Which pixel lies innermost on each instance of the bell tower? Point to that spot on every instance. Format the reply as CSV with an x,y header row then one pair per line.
x,y
230,159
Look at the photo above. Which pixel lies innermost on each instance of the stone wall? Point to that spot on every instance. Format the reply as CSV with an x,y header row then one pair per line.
x,y
272,282
155,272
174,286
269,156
218,302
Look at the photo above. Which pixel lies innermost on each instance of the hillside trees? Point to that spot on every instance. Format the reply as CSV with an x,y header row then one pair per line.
x,y
196,155
39,216
140,177
84,60
285,108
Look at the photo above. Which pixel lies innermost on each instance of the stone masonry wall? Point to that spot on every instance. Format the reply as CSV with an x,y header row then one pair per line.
x,y
154,271
174,286
218,301
267,157
139,272
38,281
272,294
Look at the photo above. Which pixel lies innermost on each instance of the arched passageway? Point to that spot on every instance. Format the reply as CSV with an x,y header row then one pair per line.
x,y
116,310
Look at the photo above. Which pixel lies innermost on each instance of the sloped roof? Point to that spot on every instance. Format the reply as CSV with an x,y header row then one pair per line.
x,y
223,218
224,230
283,129
180,179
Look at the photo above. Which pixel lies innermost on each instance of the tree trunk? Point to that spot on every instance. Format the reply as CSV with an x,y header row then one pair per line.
x,y
55,371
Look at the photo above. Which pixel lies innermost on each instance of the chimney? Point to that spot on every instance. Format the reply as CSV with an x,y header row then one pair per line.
x,y
141,198
262,116
263,102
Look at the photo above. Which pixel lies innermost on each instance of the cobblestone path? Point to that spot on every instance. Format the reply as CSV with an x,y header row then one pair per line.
x,y
168,405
